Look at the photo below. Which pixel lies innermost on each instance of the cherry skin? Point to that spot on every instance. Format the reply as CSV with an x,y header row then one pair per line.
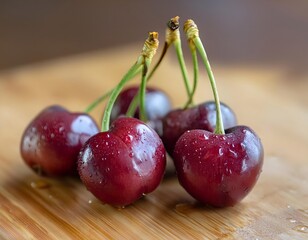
x,y
218,169
51,142
202,116
157,105
121,165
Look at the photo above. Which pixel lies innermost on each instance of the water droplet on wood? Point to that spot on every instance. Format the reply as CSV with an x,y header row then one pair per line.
x,y
40,184
301,228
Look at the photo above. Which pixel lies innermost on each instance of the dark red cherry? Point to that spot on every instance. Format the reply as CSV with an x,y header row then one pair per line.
x,y
218,169
51,142
202,116
157,105
123,164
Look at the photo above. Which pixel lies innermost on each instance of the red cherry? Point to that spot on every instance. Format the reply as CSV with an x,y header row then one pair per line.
x,y
156,101
51,142
123,164
157,105
219,169
202,116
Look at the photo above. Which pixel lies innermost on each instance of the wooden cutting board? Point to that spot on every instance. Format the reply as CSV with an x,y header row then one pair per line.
x,y
271,100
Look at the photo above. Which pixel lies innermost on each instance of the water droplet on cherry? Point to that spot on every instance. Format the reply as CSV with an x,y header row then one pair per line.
x,y
128,138
233,153
220,152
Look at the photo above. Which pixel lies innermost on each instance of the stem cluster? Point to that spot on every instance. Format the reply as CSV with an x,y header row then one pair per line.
x,y
195,43
143,63
149,49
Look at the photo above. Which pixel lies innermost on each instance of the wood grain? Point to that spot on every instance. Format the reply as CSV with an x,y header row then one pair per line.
x,y
33,207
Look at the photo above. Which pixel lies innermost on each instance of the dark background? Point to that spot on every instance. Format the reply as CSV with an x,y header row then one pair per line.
x,y
273,32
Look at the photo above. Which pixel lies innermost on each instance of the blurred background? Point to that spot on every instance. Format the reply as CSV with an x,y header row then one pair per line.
x,y
240,31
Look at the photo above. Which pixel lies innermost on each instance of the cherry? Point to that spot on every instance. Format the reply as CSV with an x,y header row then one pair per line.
x,y
127,159
123,164
201,116
157,105
217,168
51,142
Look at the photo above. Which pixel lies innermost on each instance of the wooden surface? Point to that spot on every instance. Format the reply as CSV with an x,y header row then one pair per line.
x,y
32,207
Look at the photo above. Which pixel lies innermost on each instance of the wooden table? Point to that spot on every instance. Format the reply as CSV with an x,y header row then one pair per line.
x,y
33,207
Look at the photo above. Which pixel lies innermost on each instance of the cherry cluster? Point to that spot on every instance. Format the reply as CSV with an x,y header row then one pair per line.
x,y
216,161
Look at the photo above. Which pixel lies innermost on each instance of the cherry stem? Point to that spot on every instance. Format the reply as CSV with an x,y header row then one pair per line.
x,y
148,51
196,73
172,34
193,33
134,103
100,99
166,46
173,37
142,90
97,101
114,94
180,56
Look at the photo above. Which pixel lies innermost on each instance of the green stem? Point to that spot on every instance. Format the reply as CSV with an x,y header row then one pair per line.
x,y
133,106
104,96
142,90
148,51
166,46
97,101
116,91
173,37
134,103
196,74
219,129
180,56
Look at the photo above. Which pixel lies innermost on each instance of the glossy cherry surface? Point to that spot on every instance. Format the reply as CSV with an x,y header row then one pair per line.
x,y
51,142
157,105
202,116
123,164
219,170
